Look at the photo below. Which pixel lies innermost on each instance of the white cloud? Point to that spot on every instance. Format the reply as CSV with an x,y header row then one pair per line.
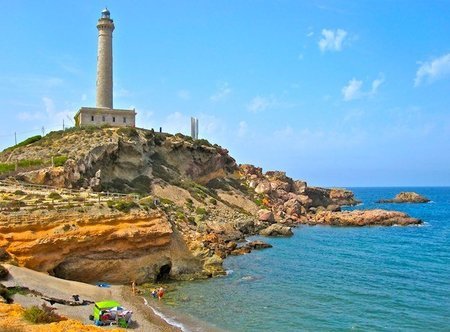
x,y
30,116
50,117
242,130
222,92
332,40
176,122
210,126
184,94
353,90
259,104
49,105
433,70
376,84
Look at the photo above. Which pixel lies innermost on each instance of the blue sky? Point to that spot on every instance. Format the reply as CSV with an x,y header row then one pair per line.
x,y
338,93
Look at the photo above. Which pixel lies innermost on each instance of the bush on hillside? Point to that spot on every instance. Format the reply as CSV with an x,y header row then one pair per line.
x,y
54,195
28,141
42,315
122,205
59,160
3,272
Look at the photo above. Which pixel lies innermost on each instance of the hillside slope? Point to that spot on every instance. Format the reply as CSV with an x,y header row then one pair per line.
x,y
192,205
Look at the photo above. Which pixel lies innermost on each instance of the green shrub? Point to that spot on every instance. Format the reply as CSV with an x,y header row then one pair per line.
x,y
54,195
59,160
4,167
218,183
29,162
28,141
20,193
166,201
3,272
122,205
213,201
4,256
128,132
4,293
50,207
201,211
181,215
42,315
202,141
15,204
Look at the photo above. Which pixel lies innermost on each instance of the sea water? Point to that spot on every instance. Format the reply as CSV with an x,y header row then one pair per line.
x,y
337,278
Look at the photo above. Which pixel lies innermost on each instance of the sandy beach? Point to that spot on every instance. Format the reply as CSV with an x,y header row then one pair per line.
x,y
143,317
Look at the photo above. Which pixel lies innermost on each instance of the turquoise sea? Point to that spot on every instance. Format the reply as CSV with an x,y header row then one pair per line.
x,y
336,278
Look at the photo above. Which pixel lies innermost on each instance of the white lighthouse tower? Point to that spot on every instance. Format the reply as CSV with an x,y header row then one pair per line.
x,y
104,113
105,28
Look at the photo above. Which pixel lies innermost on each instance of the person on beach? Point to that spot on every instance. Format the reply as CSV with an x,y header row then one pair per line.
x,y
133,287
160,293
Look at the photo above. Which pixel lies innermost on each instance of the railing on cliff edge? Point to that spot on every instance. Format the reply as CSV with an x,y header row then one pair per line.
x,y
101,196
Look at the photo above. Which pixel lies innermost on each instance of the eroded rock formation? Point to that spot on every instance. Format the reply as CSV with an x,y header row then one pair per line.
x,y
406,197
198,207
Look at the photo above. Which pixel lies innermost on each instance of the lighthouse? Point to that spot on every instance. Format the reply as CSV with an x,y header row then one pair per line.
x,y
104,113
105,27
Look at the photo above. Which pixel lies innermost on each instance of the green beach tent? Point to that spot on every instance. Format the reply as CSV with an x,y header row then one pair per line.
x,y
103,305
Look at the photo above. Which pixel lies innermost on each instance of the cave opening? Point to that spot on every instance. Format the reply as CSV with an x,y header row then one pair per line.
x,y
164,272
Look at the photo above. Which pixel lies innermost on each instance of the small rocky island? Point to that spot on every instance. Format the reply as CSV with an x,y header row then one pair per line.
x,y
406,197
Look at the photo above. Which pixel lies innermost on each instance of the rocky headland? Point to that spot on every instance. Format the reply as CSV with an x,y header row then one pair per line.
x,y
406,197
183,206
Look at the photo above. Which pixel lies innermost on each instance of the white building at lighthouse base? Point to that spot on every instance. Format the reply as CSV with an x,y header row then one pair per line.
x,y
95,116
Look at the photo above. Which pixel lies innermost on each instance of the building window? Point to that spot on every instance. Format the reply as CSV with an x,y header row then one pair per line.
x,y
124,120
92,118
114,119
103,118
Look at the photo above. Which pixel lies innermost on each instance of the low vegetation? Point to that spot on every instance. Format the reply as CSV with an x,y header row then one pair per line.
x,y
59,160
54,196
122,205
28,141
3,272
42,315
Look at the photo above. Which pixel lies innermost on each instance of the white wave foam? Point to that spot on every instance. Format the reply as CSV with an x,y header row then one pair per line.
x,y
168,320
228,272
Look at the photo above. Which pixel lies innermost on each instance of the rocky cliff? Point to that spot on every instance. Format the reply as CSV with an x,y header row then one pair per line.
x,y
191,207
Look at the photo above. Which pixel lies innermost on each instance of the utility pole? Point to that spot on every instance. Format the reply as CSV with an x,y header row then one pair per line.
x,y
43,131
15,138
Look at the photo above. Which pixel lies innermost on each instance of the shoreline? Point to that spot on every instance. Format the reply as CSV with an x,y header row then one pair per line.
x,y
145,317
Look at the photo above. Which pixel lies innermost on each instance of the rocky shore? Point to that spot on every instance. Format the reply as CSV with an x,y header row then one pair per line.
x,y
189,206
406,197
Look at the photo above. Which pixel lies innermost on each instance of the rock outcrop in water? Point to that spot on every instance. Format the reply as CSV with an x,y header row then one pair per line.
x,y
196,205
406,197
364,218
